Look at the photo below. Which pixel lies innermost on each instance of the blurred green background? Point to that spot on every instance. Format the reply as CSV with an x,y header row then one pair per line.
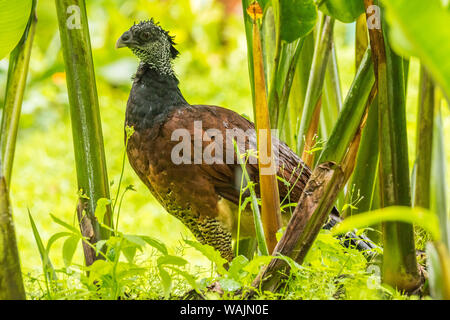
x,y
212,69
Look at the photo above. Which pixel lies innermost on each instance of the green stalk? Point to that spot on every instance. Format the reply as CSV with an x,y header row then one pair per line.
x,y
17,78
298,91
259,230
85,115
399,264
364,179
361,39
11,282
424,144
249,36
281,60
331,103
270,205
290,56
316,79
439,188
273,97
352,113
332,96
399,255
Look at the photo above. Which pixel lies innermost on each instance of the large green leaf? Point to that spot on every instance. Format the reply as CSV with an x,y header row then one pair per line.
x,y
420,28
69,247
418,216
297,18
343,10
13,20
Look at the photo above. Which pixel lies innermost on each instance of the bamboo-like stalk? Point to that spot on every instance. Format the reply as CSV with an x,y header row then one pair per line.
x,y
11,282
331,104
17,78
439,189
249,36
352,113
364,179
298,91
332,96
399,257
86,123
424,144
361,39
270,200
316,79
399,263
283,98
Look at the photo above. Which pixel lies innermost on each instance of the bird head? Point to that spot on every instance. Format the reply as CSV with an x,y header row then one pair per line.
x,y
150,43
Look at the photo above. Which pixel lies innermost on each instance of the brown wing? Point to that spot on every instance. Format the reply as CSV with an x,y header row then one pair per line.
x,y
225,176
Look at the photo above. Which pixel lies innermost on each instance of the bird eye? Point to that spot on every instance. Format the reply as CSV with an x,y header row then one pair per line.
x,y
145,35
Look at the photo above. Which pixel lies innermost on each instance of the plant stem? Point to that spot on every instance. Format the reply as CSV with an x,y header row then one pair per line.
x,y
259,229
439,200
424,144
11,282
399,254
85,115
316,79
270,199
17,79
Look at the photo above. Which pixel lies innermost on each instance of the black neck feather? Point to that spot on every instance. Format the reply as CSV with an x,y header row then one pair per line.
x,y
153,96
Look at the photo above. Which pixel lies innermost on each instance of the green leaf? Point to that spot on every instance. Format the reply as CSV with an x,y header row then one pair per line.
x,y
155,243
420,28
47,265
64,224
209,252
69,247
98,269
229,285
129,252
137,240
254,267
56,237
236,267
419,216
169,259
343,10
297,18
291,262
99,245
166,281
14,17
101,208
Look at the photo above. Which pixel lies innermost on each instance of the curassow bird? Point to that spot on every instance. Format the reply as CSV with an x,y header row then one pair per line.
x,y
204,195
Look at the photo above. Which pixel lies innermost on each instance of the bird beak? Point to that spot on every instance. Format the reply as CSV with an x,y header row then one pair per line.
x,y
125,40
120,44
